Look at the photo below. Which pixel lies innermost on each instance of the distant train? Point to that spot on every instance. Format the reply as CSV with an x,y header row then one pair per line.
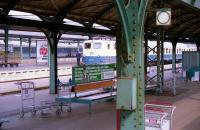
x,y
64,49
104,51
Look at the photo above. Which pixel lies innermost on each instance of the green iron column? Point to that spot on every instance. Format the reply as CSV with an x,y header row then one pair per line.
x,y
21,48
29,47
158,59
53,42
145,55
174,43
130,61
162,59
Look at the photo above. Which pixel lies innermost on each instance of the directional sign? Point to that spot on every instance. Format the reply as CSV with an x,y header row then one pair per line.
x,y
92,73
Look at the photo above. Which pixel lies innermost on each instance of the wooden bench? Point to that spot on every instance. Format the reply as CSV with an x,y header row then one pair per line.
x,y
87,93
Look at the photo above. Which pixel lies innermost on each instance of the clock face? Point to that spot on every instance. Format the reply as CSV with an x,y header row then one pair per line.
x,y
163,18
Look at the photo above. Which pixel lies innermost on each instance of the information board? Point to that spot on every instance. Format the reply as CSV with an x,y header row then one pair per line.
x,y
91,73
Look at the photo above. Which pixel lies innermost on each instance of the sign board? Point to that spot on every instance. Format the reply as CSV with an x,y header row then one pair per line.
x,y
42,51
163,17
92,73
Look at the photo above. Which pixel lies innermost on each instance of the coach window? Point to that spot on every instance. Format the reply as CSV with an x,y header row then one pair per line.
x,y
108,46
97,45
87,45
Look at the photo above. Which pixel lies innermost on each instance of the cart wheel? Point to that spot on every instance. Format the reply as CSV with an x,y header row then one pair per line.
x,y
33,112
42,113
69,109
21,115
58,112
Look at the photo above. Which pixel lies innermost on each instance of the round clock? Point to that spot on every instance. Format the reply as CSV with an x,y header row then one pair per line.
x,y
163,17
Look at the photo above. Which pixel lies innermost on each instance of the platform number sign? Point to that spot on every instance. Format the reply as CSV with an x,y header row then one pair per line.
x,y
163,17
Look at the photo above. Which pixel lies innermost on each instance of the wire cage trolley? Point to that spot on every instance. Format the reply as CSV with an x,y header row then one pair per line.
x,y
64,91
27,97
158,115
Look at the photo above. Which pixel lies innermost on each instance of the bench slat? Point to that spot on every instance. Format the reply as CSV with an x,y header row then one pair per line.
x,y
91,86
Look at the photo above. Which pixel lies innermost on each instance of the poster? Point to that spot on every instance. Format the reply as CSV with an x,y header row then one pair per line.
x,y
42,52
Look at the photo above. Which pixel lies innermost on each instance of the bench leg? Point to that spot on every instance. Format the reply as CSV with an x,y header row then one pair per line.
x,y
61,106
90,108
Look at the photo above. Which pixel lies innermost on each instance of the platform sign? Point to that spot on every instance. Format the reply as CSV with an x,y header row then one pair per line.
x,y
42,51
91,73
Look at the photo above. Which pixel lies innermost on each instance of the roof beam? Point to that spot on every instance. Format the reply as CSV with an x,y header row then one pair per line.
x,y
185,27
61,15
184,19
193,3
192,30
54,26
9,7
101,14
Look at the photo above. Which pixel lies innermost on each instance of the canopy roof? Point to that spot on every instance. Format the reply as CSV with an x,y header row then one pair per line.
x,y
185,16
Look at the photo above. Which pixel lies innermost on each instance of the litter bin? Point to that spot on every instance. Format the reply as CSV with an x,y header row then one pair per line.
x,y
158,115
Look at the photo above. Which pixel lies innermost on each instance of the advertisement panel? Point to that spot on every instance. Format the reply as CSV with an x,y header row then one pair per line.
x,y
42,52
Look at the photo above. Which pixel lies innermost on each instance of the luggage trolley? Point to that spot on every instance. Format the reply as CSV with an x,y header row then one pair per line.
x,y
27,94
64,91
158,115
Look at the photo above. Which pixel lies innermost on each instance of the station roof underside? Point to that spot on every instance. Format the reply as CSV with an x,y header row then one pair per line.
x,y
185,25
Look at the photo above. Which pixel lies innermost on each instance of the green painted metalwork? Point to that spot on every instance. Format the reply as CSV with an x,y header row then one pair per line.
x,y
174,43
130,61
53,41
92,73
160,59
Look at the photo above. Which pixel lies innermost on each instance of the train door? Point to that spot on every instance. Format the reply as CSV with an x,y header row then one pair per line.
x,y
98,51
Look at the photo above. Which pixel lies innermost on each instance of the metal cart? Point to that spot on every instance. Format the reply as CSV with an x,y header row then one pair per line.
x,y
64,91
158,115
27,97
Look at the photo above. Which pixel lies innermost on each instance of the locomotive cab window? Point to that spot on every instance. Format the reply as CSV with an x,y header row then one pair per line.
x,y
97,45
87,45
108,46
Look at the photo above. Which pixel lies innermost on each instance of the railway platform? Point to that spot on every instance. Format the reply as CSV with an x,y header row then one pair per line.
x,y
186,115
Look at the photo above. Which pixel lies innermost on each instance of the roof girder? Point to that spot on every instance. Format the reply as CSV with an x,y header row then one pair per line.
x,y
102,13
54,26
10,6
61,15
181,20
